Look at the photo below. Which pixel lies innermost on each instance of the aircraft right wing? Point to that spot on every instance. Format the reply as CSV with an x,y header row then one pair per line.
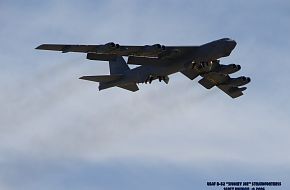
x,y
224,82
215,74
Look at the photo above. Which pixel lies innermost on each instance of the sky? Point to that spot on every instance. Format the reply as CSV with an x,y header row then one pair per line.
x,y
58,132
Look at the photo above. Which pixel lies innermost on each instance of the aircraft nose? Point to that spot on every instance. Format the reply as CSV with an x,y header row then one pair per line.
x,y
232,43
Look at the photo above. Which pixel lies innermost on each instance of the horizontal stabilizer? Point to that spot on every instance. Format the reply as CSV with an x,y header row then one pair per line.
x,y
129,86
132,87
102,78
206,83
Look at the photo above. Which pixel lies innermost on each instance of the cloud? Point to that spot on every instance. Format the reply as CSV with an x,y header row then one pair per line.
x,y
50,118
128,175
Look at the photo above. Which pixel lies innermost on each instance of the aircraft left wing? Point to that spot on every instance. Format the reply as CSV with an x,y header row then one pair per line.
x,y
155,51
68,48
109,48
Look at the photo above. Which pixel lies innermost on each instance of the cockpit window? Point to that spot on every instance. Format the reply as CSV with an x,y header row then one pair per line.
x,y
226,39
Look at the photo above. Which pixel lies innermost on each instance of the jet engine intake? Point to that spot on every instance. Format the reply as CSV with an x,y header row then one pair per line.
x,y
240,81
153,50
158,46
229,69
106,48
112,45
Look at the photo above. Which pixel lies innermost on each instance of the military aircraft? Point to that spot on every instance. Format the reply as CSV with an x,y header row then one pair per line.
x,y
159,61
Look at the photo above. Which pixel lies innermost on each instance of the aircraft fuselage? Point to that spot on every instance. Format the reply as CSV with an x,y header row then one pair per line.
x,y
207,52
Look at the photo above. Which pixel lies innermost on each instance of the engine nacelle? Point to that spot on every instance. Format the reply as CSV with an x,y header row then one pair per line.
x,y
112,45
159,47
153,50
240,81
229,69
107,47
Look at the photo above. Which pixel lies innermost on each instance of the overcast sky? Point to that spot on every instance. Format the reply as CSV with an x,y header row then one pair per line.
x,y
58,132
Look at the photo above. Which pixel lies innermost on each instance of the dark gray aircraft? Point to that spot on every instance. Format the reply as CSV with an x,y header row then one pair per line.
x,y
158,62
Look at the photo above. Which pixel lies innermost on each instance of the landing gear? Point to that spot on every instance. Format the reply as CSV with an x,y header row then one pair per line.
x,y
164,78
149,79
206,66
160,78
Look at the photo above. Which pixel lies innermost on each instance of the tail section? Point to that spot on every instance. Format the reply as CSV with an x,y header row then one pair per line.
x,y
118,67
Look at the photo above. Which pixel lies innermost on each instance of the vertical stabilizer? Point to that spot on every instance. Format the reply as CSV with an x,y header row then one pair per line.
x,y
118,66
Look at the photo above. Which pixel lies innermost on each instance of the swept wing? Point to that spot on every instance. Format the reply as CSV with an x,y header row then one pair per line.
x,y
215,74
111,48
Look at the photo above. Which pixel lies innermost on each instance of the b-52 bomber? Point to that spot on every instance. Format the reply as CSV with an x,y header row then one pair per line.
x,y
158,62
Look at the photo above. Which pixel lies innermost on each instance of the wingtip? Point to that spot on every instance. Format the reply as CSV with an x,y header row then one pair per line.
x,y
39,47
83,77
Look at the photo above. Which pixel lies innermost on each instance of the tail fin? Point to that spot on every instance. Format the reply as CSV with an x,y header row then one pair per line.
x,y
118,66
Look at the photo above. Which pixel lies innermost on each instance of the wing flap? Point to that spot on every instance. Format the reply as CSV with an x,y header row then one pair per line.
x,y
211,79
190,73
232,91
101,57
133,60
206,83
216,77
